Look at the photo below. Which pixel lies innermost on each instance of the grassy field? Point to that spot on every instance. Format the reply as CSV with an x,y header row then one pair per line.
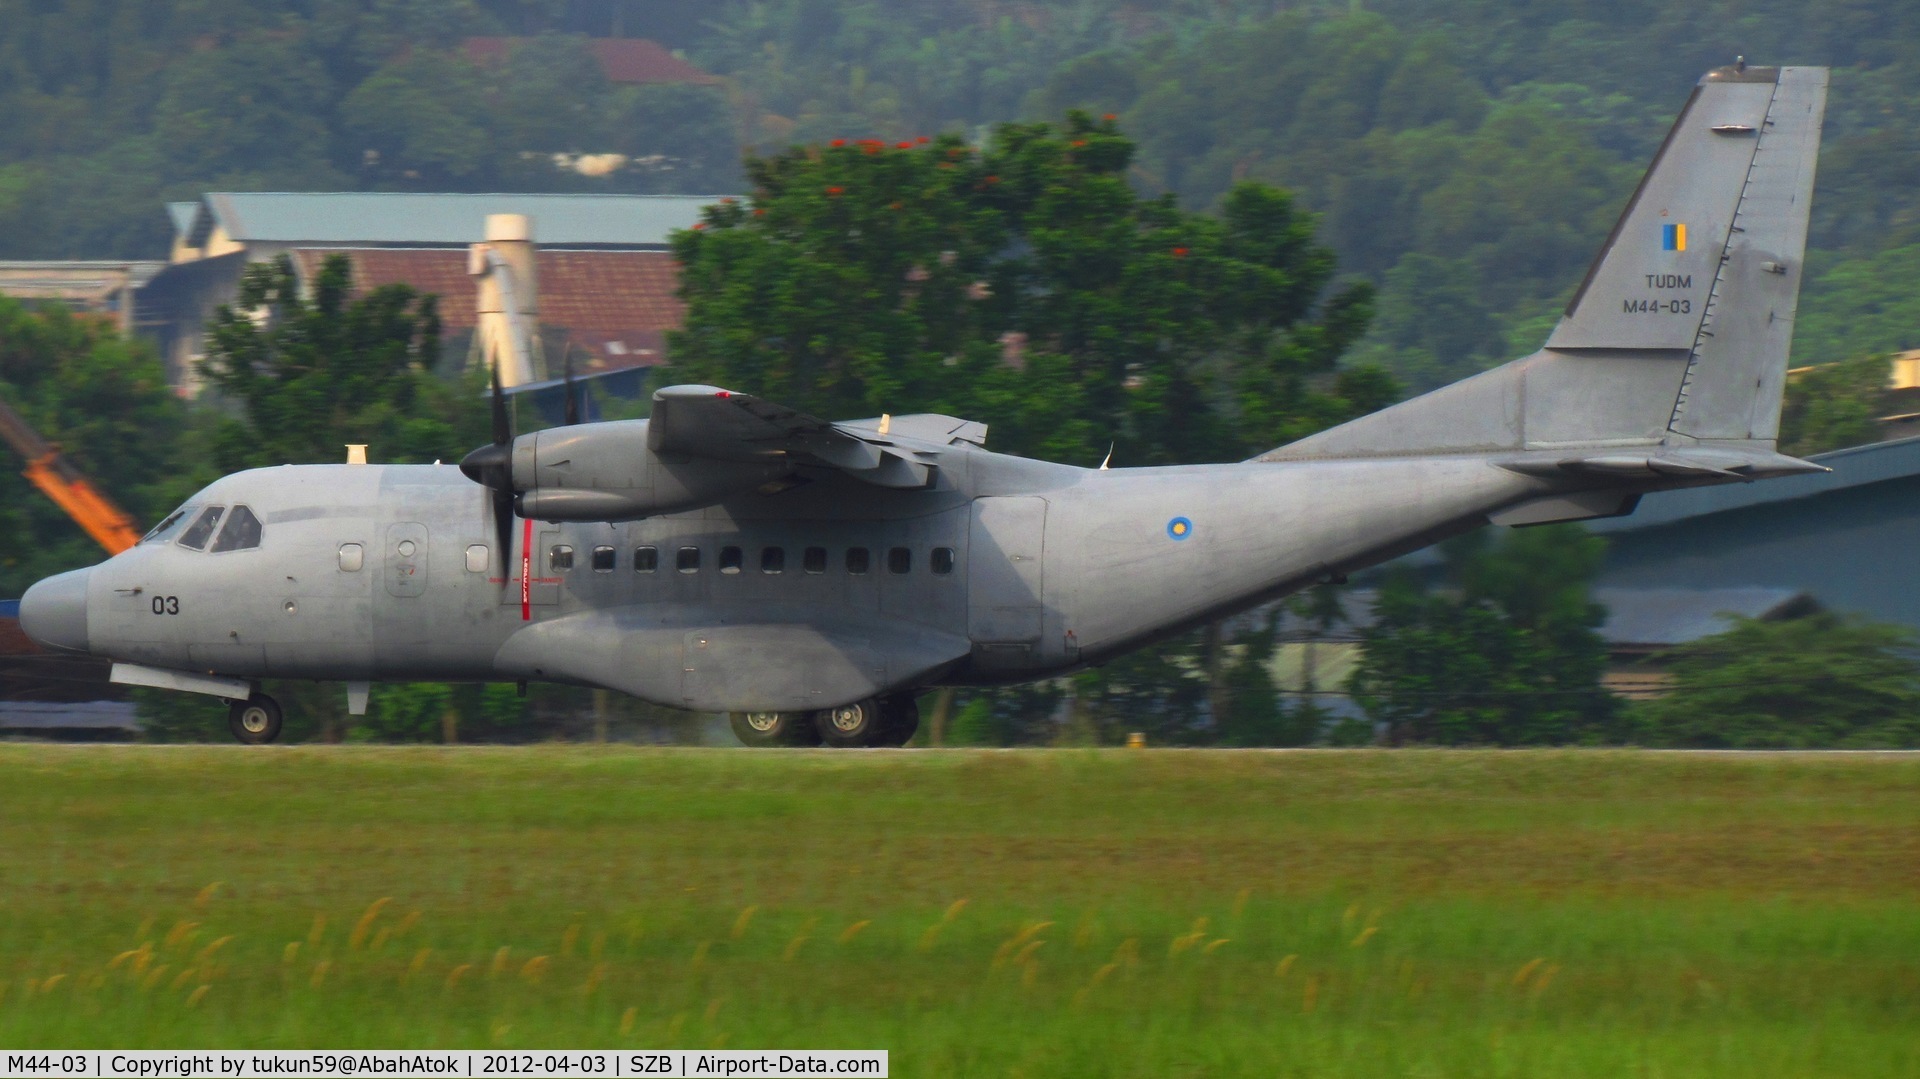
x,y
1032,913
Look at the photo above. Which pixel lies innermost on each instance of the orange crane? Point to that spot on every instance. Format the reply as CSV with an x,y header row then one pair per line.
x,y
56,477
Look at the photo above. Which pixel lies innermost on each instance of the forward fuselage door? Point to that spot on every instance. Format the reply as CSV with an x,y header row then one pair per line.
x,y
1006,582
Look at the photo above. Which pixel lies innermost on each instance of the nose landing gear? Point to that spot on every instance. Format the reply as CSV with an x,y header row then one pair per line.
x,y
254,721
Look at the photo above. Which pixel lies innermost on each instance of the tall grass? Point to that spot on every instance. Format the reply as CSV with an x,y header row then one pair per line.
x,y
996,913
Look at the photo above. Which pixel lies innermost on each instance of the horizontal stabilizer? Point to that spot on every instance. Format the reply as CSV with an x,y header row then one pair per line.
x,y
1694,462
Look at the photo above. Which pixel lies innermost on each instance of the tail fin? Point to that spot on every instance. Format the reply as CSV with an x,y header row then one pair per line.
x,y
1678,336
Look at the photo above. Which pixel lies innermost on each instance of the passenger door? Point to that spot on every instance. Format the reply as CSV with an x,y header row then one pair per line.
x,y
1006,575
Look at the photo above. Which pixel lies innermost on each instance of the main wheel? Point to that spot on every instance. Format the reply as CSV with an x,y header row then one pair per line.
x,y
254,721
901,719
762,729
851,726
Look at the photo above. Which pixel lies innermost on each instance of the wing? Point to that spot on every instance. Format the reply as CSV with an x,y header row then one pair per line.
x,y
720,425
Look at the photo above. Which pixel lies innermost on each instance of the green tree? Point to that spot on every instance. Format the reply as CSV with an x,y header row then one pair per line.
x,y
1834,405
313,374
103,399
678,138
1507,654
1026,282
1820,682
422,119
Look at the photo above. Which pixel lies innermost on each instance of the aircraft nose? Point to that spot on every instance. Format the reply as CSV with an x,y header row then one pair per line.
x,y
54,611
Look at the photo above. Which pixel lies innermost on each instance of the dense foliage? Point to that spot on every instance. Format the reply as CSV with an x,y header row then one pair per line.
x,y
1466,157
103,400
310,373
1505,652
1807,683
1026,282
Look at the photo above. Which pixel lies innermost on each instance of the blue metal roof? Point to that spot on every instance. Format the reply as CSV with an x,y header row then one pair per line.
x,y
378,217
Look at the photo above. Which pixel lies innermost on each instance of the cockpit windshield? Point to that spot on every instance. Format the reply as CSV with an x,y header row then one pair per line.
x,y
201,530
242,531
167,527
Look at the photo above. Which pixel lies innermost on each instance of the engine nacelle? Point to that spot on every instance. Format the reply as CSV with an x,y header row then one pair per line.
x,y
606,472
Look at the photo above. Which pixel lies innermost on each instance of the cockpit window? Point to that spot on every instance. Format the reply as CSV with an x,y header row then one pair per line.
x,y
241,533
196,536
167,527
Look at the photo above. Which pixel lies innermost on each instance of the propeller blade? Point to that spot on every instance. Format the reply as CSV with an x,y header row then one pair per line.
x,y
503,531
573,400
492,467
502,424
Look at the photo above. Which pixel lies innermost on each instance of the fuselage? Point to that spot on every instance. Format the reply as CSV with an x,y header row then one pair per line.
x,y
1005,569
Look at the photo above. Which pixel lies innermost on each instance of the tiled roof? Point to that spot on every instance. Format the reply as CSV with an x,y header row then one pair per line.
x,y
623,59
615,305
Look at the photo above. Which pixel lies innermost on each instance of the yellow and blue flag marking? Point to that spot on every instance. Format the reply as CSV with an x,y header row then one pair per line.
x,y
1673,237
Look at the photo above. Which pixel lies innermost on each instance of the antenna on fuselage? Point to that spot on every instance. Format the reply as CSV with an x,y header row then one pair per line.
x,y
1109,458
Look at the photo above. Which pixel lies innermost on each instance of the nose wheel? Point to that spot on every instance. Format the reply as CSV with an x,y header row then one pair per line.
x,y
254,721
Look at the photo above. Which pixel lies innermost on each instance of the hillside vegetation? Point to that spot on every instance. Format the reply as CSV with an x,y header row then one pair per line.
x,y
1467,157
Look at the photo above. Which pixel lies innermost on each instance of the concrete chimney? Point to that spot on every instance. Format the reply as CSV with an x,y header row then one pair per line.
x,y
507,337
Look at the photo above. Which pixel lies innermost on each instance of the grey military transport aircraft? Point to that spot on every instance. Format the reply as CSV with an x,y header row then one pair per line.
x,y
730,554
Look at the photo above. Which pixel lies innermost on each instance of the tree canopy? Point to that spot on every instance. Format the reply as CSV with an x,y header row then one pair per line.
x,y
1466,158
1822,681
1027,282
1505,652
311,374
104,401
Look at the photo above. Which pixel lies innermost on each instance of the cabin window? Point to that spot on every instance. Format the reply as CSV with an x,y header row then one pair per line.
x,y
688,560
731,559
814,560
165,528
646,559
241,532
942,561
858,560
477,558
900,560
201,530
352,557
603,560
560,558
773,560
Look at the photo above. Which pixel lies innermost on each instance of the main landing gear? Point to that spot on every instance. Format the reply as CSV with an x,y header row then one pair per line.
x,y
256,720
877,722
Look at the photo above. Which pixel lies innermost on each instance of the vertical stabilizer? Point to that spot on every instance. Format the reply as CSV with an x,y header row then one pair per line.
x,y
1678,336
1707,257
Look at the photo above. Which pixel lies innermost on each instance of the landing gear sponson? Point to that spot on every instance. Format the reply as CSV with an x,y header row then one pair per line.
x,y
877,722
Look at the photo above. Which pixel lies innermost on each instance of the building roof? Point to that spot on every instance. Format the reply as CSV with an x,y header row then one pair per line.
x,y
409,219
615,305
1665,617
622,59
69,279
